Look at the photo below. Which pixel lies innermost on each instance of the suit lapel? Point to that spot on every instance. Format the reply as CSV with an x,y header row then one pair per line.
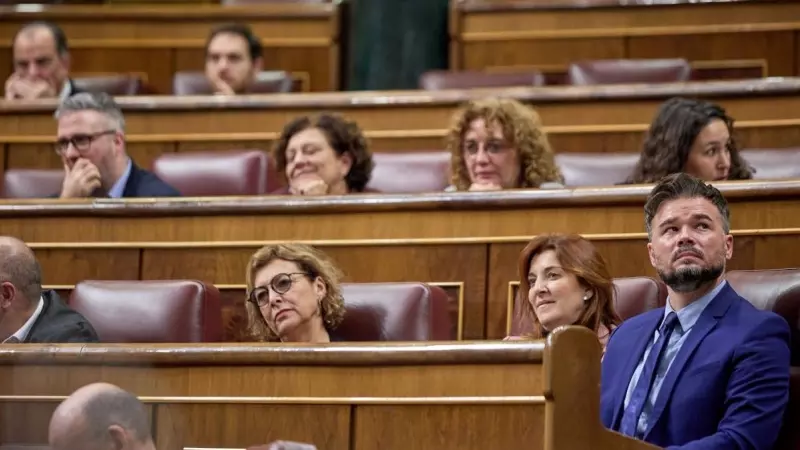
x,y
705,323
635,348
130,186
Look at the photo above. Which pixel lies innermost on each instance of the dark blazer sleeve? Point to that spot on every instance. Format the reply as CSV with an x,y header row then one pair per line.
x,y
146,184
58,323
757,391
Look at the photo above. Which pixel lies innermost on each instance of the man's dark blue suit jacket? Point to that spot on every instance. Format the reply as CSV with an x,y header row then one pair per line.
x,y
728,385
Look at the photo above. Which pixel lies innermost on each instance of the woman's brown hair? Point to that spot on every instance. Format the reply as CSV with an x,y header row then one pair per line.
x,y
579,257
344,136
671,136
522,128
312,262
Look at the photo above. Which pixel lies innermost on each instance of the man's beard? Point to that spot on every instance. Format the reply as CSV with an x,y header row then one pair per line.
x,y
690,278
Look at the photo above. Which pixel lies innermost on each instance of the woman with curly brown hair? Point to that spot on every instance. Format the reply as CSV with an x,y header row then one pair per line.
x,y
293,295
499,143
323,155
691,136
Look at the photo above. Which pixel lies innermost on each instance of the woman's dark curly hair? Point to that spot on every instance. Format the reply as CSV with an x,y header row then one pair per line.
x,y
671,136
343,135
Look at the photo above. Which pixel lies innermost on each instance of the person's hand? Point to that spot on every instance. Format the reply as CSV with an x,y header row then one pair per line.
x,y
513,338
18,88
475,187
81,180
220,86
309,186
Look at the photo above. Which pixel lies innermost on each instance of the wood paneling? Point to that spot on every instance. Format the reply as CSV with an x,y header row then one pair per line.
x,y
465,395
158,40
592,119
467,241
509,34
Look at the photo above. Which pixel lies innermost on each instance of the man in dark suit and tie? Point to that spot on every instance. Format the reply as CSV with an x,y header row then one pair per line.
x,y
708,371
27,314
91,143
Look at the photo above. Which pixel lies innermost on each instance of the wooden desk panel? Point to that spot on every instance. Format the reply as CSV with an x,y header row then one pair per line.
x,y
233,396
507,35
467,242
158,40
596,119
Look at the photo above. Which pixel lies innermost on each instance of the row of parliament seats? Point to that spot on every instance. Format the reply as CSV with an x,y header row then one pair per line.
x,y
251,172
583,73
182,311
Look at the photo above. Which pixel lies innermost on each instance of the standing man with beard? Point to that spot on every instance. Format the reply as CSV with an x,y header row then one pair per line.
x,y
709,370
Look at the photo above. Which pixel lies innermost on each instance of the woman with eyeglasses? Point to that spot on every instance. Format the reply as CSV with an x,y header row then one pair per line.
x,y
293,295
498,143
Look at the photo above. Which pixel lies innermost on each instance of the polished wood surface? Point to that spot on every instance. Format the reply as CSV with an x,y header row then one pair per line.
x,y
592,119
518,395
508,35
155,41
468,242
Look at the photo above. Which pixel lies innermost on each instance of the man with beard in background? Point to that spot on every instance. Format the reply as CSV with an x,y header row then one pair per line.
x,y
709,370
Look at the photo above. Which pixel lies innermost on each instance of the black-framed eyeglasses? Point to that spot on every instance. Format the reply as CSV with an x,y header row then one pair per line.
x,y
81,142
280,284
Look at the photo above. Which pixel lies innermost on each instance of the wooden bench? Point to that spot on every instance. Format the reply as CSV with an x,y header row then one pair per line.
x,y
155,41
468,243
473,395
511,35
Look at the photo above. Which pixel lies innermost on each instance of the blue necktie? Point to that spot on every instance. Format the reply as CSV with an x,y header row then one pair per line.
x,y
630,417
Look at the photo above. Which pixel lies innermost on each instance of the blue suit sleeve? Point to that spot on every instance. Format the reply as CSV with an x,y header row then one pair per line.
x,y
757,392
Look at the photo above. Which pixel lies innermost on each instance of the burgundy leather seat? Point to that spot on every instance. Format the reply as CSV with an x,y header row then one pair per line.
x,y
778,291
435,80
173,311
395,312
774,163
620,71
32,183
595,169
116,85
632,296
195,83
411,172
232,172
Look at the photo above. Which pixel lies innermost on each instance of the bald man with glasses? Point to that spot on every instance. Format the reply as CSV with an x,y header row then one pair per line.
x,y
91,144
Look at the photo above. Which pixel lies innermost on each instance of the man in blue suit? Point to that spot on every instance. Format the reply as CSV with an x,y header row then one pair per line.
x,y
708,371
91,143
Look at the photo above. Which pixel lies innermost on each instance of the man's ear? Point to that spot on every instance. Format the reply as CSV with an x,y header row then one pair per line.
x,y
7,293
728,246
258,65
651,254
118,437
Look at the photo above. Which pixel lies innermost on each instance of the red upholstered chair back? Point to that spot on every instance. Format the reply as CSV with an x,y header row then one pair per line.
x,y
231,172
620,71
173,311
411,172
774,163
435,80
632,296
778,291
32,183
116,85
395,312
195,83
595,169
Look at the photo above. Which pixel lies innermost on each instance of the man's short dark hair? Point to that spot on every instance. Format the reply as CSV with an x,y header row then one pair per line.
x,y
243,31
21,269
62,47
116,407
683,185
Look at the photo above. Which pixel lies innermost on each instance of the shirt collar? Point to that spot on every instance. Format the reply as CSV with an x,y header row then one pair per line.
x,y
118,189
22,333
66,91
688,316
